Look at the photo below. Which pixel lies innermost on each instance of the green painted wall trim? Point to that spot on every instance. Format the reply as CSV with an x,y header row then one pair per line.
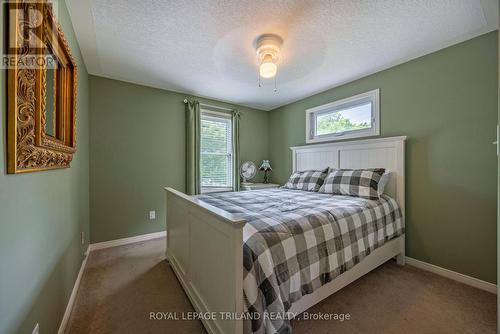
x,y
446,103
41,217
137,141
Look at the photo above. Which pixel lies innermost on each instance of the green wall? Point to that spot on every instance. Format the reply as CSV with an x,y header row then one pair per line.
x,y
446,103
137,138
498,188
41,216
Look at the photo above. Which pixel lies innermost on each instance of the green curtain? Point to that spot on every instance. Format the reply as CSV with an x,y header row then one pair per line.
x,y
193,143
236,149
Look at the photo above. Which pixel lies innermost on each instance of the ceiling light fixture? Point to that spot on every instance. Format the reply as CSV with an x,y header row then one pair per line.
x,y
268,51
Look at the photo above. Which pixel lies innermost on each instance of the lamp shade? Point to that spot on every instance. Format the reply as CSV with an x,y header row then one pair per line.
x,y
268,70
265,166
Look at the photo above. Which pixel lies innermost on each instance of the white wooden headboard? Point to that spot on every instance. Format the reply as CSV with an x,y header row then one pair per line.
x,y
388,153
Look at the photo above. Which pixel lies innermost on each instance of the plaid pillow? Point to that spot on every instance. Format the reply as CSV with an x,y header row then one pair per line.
x,y
353,182
309,180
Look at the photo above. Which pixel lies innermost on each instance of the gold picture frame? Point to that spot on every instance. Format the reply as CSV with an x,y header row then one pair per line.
x,y
41,69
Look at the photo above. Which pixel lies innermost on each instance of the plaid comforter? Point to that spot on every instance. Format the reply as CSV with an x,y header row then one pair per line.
x,y
296,241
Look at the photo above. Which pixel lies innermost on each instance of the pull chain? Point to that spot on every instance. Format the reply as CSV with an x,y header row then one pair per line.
x,y
275,83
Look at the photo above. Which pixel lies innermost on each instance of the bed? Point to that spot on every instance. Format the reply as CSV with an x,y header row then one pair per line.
x,y
281,251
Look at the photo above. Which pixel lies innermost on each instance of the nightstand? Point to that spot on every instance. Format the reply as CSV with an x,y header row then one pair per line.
x,y
258,186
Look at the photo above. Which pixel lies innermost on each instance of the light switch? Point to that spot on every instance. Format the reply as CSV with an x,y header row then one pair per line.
x,y
152,215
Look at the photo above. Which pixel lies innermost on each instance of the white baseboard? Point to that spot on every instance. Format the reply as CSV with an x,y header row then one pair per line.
x,y
125,241
72,297
474,282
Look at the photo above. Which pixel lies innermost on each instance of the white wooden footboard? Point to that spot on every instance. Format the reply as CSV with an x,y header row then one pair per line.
x,y
205,249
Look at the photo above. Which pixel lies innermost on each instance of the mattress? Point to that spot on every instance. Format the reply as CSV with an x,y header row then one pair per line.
x,y
296,241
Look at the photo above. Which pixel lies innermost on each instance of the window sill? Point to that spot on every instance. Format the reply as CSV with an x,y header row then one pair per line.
x,y
347,135
215,190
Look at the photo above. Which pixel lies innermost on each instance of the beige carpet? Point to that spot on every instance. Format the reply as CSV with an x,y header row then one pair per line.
x,y
122,285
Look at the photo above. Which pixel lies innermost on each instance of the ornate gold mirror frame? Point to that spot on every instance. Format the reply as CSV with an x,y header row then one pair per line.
x,y
41,83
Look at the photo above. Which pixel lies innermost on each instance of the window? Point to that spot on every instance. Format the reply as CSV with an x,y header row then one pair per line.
x,y
353,117
216,152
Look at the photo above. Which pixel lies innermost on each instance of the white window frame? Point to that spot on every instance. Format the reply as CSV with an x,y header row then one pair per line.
x,y
229,178
372,96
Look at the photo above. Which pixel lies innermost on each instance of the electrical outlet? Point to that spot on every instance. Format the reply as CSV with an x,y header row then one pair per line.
x,y
152,215
35,330
82,237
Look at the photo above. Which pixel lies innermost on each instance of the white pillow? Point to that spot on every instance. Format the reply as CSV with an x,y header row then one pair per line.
x,y
384,180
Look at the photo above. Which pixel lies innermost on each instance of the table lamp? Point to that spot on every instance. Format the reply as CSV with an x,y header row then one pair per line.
x,y
266,167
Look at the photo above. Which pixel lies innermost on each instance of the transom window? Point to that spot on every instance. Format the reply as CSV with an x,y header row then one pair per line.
x,y
353,117
216,152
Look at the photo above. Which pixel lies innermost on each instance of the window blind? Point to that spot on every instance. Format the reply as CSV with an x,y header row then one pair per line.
x,y
216,151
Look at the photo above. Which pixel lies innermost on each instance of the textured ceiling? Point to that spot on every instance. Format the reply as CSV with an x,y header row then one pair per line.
x,y
206,47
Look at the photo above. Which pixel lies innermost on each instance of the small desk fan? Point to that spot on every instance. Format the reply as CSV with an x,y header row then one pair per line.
x,y
247,171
